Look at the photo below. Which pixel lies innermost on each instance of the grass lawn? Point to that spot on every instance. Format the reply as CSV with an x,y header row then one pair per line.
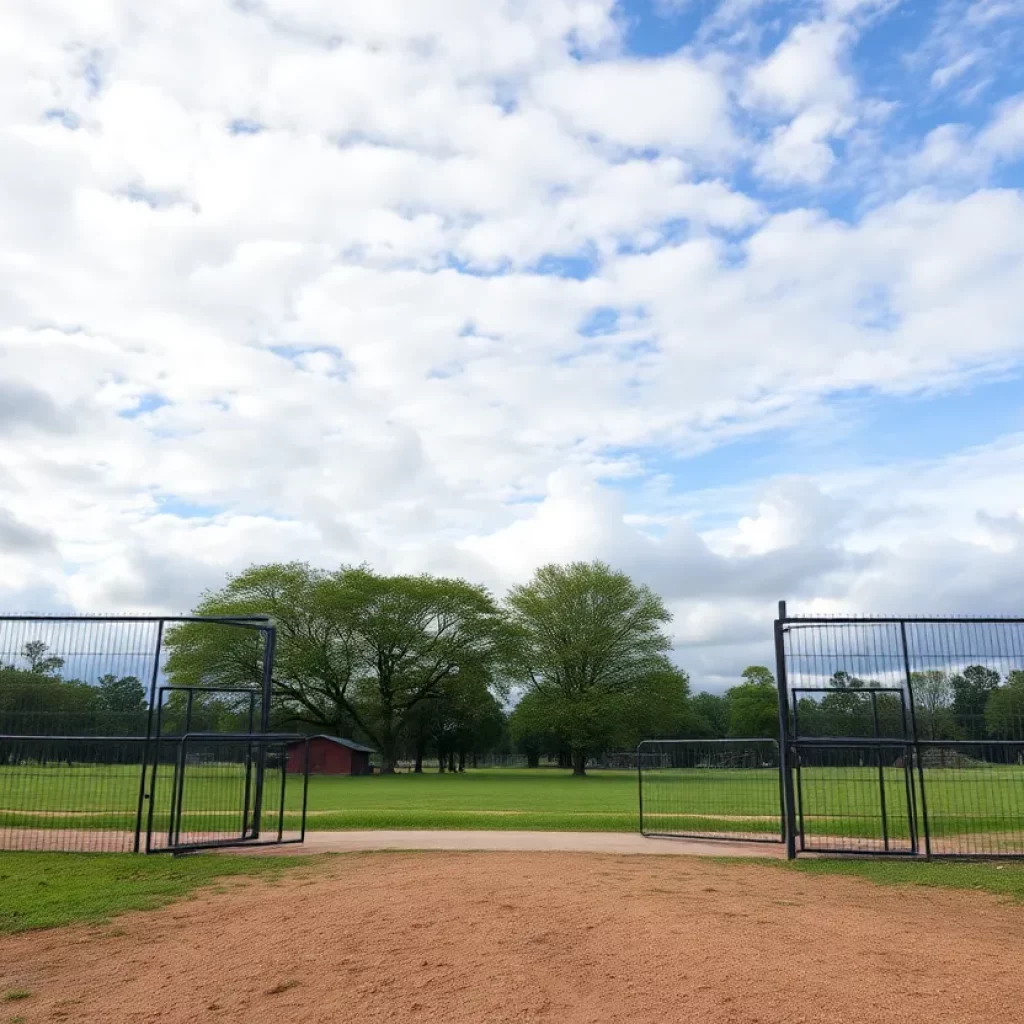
x,y
43,890
1001,879
835,801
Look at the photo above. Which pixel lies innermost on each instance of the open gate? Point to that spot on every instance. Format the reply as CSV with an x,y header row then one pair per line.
x,y
898,735
152,766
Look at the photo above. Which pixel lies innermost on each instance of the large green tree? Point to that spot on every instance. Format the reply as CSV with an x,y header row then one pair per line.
x,y
971,690
36,699
588,645
1004,712
357,651
933,704
710,715
754,705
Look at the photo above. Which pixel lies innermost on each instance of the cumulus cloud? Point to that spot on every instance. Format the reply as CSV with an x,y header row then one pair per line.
x,y
443,286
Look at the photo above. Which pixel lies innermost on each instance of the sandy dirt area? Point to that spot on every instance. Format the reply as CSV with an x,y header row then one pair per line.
x,y
488,938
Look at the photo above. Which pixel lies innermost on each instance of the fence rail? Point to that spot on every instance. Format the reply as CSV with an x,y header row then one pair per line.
x,y
714,789
902,736
98,752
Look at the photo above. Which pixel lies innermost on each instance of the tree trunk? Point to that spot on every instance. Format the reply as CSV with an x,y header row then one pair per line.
x,y
451,760
533,760
418,769
440,759
473,762
388,751
579,762
462,760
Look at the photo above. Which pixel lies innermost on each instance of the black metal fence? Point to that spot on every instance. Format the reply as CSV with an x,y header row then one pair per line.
x,y
710,789
902,736
99,752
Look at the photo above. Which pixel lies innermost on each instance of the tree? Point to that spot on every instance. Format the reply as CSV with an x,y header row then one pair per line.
x,y
413,636
587,643
842,680
1004,712
122,705
971,691
710,715
39,662
754,705
933,700
530,730
357,652
759,675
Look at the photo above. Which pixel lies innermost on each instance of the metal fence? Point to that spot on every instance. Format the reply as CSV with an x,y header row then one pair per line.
x,y
711,789
99,752
902,736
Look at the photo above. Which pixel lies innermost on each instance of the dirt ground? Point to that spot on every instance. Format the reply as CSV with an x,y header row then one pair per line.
x,y
488,938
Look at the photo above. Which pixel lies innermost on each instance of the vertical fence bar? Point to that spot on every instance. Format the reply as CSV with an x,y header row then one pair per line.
x,y
284,782
248,770
153,682
640,783
305,791
785,775
916,739
881,770
267,685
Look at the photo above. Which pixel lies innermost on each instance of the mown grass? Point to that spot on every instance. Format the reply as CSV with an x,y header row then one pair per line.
x,y
1001,879
46,890
839,802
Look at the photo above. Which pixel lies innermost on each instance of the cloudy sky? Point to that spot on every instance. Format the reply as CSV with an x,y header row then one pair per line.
x,y
727,292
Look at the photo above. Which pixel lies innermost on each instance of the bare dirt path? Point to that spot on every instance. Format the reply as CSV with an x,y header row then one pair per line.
x,y
533,937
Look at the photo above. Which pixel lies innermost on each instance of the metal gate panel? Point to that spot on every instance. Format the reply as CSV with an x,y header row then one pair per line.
x,y
710,789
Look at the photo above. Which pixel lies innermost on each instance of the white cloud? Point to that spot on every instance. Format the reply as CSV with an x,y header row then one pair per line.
x,y
331,334
805,69
800,151
671,103
954,151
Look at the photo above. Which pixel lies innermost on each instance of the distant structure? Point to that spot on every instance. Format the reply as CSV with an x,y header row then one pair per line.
x,y
330,755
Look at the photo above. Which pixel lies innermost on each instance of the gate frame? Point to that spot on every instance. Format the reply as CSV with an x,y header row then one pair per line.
x,y
789,742
259,623
780,837
174,845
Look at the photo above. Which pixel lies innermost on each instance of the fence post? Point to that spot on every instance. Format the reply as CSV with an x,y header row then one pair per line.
x,y
785,774
269,650
154,679
640,784
916,740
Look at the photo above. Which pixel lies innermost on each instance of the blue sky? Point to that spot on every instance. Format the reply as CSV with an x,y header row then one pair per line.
x,y
725,292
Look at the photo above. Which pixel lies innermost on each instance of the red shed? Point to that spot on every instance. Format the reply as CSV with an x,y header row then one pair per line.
x,y
330,755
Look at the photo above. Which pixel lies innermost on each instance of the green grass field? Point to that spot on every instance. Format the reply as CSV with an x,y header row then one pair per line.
x,y
840,802
44,890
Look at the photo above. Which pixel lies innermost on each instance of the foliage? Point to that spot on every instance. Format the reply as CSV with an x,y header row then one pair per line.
x,y
754,705
710,716
971,691
1004,711
588,643
933,704
36,699
357,652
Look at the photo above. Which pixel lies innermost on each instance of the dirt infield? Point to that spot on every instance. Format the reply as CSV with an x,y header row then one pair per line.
x,y
532,937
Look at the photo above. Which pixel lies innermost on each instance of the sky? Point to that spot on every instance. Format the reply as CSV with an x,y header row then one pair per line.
x,y
727,293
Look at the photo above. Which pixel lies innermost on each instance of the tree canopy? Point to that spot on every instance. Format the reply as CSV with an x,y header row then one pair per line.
x,y
587,644
357,652
754,705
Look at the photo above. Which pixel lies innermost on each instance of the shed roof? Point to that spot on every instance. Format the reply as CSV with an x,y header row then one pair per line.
x,y
351,744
